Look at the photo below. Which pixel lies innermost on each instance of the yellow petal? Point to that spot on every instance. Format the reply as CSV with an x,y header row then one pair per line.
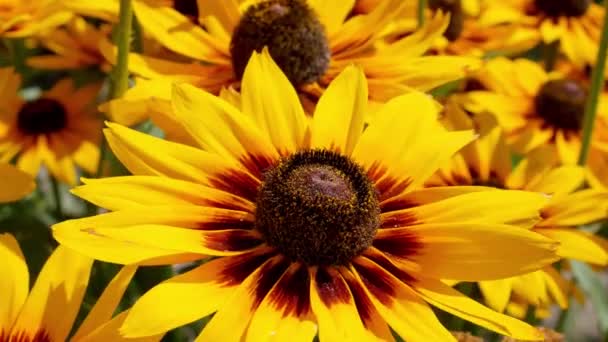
x,y
269,98
339,116
57,295
452,301
579,245
14,183
496,293
581,207
105,306
110,331
14,286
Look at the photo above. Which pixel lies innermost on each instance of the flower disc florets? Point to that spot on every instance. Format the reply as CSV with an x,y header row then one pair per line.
x,y
558,8
293,34
41,116
561,103
318,207
454,8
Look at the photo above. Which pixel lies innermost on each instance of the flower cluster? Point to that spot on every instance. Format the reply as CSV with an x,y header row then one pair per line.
x,y
268,170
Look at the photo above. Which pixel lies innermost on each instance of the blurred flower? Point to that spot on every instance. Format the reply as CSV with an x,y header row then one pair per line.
x,y
575,24
75,46
20,18
48,312
14,183
314,224
536,108
57,129
487,162
312,41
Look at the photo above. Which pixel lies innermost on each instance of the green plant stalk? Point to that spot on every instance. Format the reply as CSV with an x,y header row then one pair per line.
x,y
421,10
16,47
597,84
550,53
57,197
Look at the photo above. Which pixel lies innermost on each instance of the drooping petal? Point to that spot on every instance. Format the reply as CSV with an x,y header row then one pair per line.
x,y
399,305
14,285
334,307
581,207
452,301
233,317
443,251
285,313
57,295
105,306
281,115
579,245
204,289
339,115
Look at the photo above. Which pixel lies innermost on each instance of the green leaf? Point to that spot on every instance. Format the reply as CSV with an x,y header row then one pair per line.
x,y
591,284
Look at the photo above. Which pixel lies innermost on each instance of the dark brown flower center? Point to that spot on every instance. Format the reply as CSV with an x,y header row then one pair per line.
x,y
41,116
561,103
454,8
189,8
293,34
558,8
318,207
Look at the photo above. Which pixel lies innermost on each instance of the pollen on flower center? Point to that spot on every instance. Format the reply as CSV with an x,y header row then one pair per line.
x,y
568,8
41,116
293,34
454,8
318,207
561,103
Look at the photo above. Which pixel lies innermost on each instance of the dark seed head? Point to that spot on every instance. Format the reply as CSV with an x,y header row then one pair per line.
x,y
41,116
293,34
189,8
318,207
454,7
561,103
558,8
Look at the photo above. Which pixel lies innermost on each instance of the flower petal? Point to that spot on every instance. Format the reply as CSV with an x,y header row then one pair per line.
x,y
497,293
579,245
14,183
57,295
452,301
285,313
14,286
581,207
339,115
444,251
110,331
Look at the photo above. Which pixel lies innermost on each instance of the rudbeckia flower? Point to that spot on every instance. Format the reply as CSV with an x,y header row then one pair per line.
x,y
536,108
24,18
75,46
48,312
575,24
465,35
487,162
311,41
314,226
57,129
14,183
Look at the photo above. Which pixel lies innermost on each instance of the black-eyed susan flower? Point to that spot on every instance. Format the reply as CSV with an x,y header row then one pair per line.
x,y
14,183
74,46
315,226
575,24
57,129
536,108
47,313
487,162
25,18
312,41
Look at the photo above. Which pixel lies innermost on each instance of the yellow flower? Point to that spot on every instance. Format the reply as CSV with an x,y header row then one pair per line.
x,y
487,162
536,108
314,225
576,24
14,183
465,35
312,41
24,18
47,312
56,129
75,46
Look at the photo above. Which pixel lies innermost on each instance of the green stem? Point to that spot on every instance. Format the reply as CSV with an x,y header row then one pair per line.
x,y
550,53
597,83
123,42
421,10
18,53
57,197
